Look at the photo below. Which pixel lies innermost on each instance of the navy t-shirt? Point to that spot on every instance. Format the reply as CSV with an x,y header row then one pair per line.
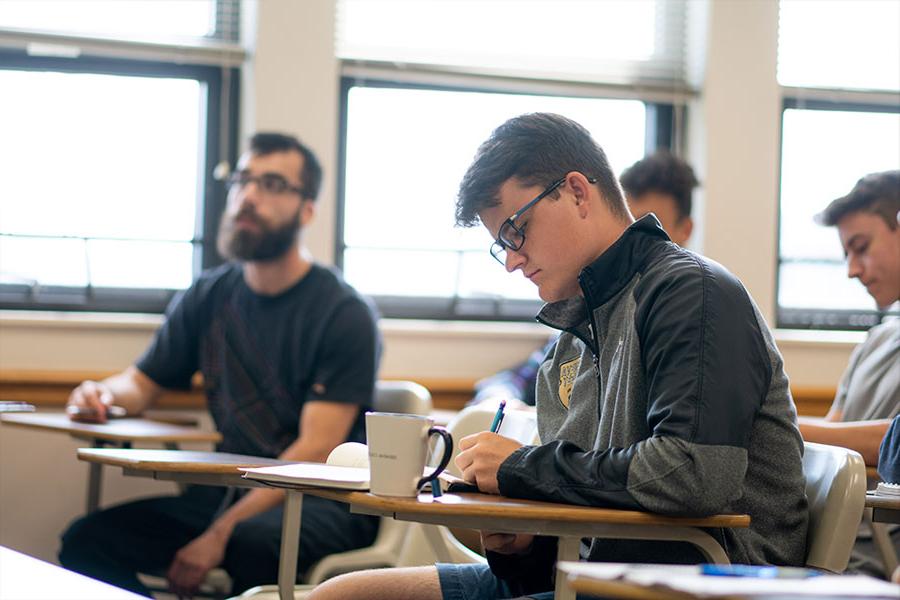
x,y
263,357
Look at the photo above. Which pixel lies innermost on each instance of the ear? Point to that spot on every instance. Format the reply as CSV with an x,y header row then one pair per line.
x,y
686,226
307,212
581,190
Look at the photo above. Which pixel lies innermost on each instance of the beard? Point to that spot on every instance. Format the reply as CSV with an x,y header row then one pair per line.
x,y
268,243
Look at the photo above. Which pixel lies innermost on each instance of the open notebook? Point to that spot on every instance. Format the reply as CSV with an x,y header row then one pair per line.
x,y
347,468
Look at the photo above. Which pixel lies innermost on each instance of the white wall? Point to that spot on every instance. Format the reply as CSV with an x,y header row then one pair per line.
x,y
292,84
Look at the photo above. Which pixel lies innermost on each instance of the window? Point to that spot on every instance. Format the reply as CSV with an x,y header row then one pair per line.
x,y
109,201
416,103
841,120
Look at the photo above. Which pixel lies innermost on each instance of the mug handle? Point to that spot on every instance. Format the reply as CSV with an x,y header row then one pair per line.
x,y
445,460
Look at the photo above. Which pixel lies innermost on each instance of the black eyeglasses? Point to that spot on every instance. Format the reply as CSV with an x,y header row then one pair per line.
x,y
271,183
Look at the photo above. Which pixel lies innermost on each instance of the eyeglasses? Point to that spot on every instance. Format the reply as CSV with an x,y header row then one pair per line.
x,y
271,183
512,237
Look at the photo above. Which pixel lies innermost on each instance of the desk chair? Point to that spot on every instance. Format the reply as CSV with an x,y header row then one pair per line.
x,y
836,491
390,396
414,548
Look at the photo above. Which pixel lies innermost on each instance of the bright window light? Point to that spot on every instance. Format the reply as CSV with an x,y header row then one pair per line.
x,y
406,152
116,18
101,178
844,44
824,153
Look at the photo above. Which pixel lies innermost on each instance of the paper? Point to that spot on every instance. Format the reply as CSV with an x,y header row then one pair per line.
x,y
315,474
687,578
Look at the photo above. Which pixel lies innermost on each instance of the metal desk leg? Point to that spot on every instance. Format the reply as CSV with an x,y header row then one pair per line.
x,y
95,481
436,540
567,549
290,542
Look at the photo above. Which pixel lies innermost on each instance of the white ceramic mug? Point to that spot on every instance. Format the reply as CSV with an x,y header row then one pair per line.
x,y
398,447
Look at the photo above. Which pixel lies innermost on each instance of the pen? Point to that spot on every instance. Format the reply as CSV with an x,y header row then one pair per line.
x,y
498,417
763,572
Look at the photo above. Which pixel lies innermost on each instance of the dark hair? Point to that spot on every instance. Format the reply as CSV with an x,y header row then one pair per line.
x,y
877,193
310,174
537,149
664,173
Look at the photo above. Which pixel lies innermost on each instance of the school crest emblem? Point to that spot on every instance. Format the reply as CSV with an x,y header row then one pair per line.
x,y
567,373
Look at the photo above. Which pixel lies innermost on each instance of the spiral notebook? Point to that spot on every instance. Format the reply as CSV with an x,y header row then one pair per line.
x,y
314,474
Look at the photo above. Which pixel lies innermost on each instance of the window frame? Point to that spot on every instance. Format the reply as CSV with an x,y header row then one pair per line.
x,y
664,121
823,318
221,116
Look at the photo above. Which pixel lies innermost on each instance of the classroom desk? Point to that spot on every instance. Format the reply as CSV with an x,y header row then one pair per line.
x,y
683,582
884,509
123,432
475,511
27,578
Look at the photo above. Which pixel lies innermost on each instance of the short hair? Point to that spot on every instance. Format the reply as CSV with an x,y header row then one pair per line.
x,y
664,173
311,173
876,193
536,149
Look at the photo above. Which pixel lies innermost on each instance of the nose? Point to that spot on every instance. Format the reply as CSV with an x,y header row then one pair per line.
x,y
514,260
854,267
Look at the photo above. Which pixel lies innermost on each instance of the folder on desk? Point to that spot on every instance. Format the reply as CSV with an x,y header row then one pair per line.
x,y
314,474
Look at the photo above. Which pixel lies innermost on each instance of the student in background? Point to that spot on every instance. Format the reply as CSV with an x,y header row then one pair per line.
x,y
665,391
868,395
288,353
660,183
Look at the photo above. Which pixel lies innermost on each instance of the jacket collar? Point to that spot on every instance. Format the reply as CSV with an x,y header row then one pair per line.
x,y
609,273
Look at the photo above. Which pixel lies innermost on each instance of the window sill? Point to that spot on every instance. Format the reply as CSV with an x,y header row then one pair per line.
x,y
818,338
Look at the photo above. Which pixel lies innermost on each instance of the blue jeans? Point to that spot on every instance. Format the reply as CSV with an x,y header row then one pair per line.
x,y
477,582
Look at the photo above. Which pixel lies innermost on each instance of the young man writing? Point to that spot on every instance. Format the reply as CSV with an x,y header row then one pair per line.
x,y
289,355
664,392
661,184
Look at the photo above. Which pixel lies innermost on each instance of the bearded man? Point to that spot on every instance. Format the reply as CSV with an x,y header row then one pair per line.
x,y
289,355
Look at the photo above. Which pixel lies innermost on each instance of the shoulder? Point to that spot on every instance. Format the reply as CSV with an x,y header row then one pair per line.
x,y
677,271
211,283
334,292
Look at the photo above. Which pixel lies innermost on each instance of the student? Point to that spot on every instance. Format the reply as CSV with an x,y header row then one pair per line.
x,y
868,395
288,353
660,183
664,392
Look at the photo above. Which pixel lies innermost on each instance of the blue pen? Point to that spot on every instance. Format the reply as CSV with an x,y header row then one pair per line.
x,y
498,417
763,572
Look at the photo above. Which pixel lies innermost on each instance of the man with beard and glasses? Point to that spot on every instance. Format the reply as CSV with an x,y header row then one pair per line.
x,y
288,353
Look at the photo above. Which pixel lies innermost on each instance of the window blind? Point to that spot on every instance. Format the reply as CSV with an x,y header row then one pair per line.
x,y
201,32
624,42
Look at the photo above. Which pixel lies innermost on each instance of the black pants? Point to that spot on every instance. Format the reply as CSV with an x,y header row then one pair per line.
x,y
115,544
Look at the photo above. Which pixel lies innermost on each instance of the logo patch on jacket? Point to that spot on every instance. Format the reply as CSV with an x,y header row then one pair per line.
x,y
567,373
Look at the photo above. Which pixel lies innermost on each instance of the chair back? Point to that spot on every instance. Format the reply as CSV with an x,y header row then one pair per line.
x,y
402,397
836,492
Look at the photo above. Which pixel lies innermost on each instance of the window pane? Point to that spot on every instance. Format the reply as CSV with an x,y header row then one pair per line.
x,y
117,18
852,44
824,153
120,160
406,152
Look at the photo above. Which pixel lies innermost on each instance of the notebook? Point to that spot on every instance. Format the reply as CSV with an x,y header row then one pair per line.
x,y
315,474
347,468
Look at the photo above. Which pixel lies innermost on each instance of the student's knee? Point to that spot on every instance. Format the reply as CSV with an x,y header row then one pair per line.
x,y
414,583
77,542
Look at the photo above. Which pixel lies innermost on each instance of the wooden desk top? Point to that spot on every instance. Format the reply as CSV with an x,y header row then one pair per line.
x,y
115,430
464,505
175,461
875,501
491,506
27,578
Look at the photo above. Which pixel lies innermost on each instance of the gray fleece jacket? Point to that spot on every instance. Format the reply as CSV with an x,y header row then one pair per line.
x,y
664,393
